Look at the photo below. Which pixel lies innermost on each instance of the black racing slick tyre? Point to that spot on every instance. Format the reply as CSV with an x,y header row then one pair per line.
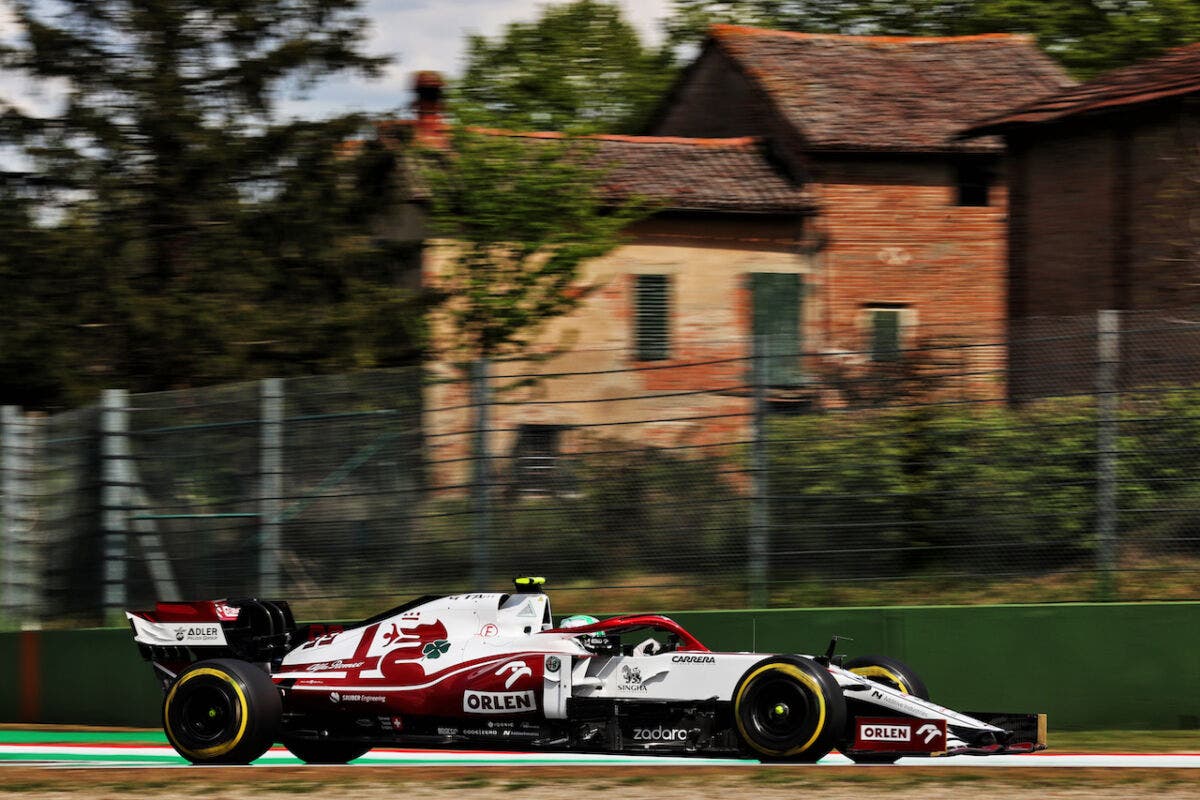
x,y
889,672
222,711
318,752
788,708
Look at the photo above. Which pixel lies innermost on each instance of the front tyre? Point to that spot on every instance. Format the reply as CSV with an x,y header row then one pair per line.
x,y
789,708
325,752
889,672
222,711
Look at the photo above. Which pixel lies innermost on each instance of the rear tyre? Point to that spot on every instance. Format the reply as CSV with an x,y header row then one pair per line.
x,y
325,752
889,672
222,711
789,708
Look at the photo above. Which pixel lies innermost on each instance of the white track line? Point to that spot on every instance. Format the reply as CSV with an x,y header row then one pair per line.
x,y
1139,760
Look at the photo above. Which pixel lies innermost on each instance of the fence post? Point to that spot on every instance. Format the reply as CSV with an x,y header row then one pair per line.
x,y
114,497
9,512
14,444
32,564
760,502
270,491
480,502
1107,405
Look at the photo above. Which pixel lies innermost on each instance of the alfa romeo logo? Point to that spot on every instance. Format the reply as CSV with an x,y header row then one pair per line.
x,y
435,649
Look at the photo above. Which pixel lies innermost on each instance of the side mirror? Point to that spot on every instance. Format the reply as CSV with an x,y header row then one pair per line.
x,y
829,656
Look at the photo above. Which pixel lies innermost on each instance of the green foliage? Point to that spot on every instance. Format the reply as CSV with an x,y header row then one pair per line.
x,y
199,237
35,335
1017,486
1087,37
690,19
1160,497
580,67
521,216
936,489
836,482
870,502
898,492
627,509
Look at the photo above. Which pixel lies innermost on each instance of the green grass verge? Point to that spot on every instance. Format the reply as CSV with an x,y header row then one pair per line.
x,y
1124,741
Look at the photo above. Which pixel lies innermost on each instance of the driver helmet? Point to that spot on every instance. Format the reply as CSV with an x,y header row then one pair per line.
x,y
588,640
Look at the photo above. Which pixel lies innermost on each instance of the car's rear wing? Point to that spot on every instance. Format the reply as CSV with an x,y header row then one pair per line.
x,y
173,635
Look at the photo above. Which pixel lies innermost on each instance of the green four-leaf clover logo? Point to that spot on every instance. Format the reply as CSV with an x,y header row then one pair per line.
x,y
435,649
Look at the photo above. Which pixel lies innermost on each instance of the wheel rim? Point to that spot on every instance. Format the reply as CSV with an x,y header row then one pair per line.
x,y
778,710
208,714
205,714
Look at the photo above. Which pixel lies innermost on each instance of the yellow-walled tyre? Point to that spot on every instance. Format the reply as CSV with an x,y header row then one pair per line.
x,y
788,708
889,672
222,711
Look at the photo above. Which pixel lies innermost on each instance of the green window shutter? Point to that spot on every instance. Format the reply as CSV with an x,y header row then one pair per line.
x,y
885,334
777,298
652,298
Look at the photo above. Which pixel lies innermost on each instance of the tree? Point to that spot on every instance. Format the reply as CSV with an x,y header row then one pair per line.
x,y
519,217
1087,36
580,67
33,340
691,19
204,238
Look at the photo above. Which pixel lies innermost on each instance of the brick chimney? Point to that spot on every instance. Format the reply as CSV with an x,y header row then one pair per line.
x,y
431,128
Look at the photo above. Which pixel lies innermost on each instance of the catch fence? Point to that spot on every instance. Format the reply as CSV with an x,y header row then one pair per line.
x,y
1058,464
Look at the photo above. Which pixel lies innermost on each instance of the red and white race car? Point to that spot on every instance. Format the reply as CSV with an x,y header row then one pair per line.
x,y
493,670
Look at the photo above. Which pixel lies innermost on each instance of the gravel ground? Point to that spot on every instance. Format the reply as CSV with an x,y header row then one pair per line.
x,y
628,783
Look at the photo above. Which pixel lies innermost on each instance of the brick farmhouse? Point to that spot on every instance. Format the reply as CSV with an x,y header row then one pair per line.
x,y
725,211
814,196
1105,208
911,224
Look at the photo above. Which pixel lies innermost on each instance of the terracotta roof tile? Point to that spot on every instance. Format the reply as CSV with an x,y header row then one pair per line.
x,y
895,93
728,174
695,174
1174,74
724,143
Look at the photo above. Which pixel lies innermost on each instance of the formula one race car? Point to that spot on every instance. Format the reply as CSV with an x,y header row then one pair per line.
x,y
493,670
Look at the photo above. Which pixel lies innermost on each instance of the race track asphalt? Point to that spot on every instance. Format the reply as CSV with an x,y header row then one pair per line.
x,y
130,749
